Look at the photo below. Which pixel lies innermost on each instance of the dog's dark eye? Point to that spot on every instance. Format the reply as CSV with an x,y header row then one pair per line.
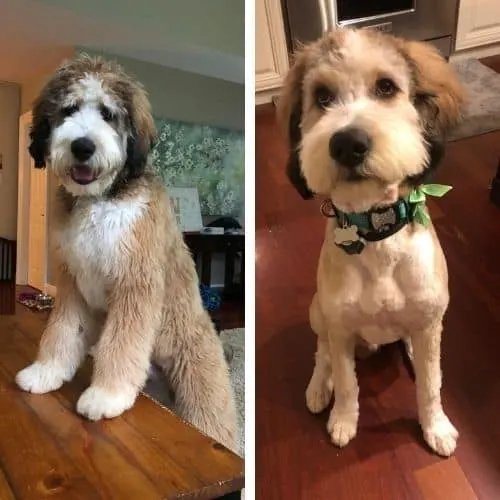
x,y
69,110
106,113
385,87
324,97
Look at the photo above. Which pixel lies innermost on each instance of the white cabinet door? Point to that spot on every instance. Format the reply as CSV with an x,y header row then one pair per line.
x,y
271,56
478,23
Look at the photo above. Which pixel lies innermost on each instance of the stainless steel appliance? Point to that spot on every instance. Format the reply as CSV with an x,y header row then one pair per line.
x,y
430,20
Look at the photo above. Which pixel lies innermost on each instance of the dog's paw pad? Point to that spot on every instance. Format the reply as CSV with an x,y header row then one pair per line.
x,y
441,436
40,378
317,397
96,403
342,428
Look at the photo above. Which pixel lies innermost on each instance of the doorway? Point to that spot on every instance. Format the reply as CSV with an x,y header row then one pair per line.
x,y
32,215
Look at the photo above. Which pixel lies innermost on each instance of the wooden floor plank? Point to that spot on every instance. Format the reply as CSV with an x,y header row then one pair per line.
x,y
444,480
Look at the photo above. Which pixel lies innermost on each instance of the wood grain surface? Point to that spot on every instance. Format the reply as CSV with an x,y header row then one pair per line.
x,y
48,451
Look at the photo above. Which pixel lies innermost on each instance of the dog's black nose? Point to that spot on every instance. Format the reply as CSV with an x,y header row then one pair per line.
x,y
82,148
350,146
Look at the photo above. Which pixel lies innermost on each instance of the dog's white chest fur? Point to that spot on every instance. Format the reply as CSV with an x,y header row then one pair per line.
x,y
95,243
391,288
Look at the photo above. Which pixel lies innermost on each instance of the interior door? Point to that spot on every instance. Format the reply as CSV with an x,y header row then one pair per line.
x,y
37,248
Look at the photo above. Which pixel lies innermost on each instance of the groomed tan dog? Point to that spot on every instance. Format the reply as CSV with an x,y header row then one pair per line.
x,y
126,285
367,116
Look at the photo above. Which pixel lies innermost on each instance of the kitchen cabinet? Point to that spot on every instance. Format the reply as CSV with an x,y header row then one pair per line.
x,y
478,24
271,55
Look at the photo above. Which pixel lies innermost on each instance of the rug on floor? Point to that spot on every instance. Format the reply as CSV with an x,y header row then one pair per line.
x,y
157,388
482,87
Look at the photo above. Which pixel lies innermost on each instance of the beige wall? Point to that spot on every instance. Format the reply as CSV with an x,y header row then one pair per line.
x,y
32,87
174,94
10,95
184,96
30,90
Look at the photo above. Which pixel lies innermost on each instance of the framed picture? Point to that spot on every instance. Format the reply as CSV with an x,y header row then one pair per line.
x,y
186,205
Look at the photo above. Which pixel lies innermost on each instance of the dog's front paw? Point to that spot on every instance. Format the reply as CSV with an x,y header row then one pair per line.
x,y
441,436
96,403
318,396
342,427
42,377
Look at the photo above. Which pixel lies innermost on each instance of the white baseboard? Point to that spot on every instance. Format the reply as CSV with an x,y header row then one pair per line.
x,y
477,52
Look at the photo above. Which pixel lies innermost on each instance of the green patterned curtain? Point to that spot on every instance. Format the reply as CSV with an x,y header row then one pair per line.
x,y
208,158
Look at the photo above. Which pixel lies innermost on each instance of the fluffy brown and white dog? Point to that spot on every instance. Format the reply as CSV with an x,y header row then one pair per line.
x,y
367,115
127,285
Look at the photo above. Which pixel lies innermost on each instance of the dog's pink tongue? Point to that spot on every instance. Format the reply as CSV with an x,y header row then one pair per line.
x,y
82,174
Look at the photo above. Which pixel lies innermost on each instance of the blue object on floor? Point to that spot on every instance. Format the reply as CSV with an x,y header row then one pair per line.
x,y
211,298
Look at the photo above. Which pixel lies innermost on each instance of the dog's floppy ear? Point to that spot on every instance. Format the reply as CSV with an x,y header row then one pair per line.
x,y
289,114
39,135
142,135
439,96
44,110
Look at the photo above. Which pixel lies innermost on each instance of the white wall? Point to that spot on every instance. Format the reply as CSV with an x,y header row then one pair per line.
x,y
10,97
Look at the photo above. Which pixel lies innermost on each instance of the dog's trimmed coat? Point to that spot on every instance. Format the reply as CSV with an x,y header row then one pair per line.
x,y
396,288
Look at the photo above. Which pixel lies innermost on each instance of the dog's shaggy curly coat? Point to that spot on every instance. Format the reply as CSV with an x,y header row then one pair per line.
x,y
127,286
366,116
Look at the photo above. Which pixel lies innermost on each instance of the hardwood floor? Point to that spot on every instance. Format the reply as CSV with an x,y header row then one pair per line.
x,y
388,459
7,298
230,315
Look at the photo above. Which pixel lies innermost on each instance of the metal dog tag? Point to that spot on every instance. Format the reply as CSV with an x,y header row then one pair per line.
x,y
354,248
346,235
349,240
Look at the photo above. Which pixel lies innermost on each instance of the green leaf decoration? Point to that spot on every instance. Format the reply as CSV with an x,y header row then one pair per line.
x,y
436,190
420,215
417,196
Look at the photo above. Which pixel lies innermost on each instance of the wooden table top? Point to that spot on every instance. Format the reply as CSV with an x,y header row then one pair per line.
x,y
47,450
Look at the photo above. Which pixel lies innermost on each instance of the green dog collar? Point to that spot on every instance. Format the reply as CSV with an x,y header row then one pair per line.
x,y
356,228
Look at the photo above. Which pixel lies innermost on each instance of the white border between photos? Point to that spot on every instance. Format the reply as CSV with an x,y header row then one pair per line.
x,y
249,249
